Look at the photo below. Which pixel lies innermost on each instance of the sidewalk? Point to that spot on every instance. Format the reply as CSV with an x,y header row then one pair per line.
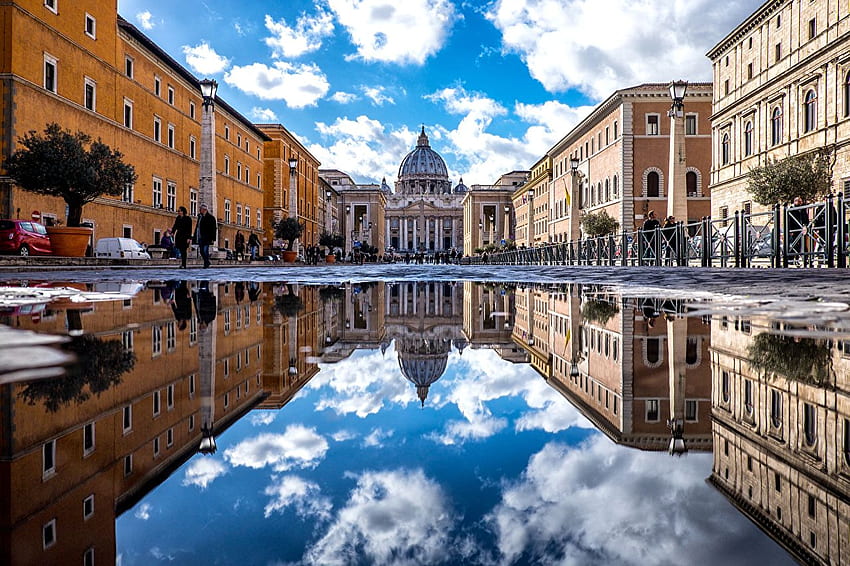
x,y
52,263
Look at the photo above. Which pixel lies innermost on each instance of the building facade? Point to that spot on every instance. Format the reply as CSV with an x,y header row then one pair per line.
x,y
781,88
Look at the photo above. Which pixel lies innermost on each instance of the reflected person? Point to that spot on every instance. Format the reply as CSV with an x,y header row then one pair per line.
x,y
181,305
205,304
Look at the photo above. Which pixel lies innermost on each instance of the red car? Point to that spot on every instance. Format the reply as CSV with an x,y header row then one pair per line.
x,y
23,237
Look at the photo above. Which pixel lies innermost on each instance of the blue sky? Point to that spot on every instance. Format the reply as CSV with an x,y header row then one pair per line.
x,y
496,83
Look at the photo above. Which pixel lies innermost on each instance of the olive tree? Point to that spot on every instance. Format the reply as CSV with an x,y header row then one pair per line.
x,y
808,176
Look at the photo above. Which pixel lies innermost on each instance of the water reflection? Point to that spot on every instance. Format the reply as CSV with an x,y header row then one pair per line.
x,y
424,422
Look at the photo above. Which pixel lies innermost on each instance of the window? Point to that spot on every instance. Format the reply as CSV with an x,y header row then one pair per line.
x,y
777,52
192,147
778,21
690,410
192,110
724,150
748,396
88,506
169,438
157,129
653,184
227,211
749,71
724,386
748,139
247,216
157,86
49,73
88,439
776,126
157,196
127,340
171,196
239,140
750,43
51,5
616,132
810,120
652,124
227,132
248,175
812,505
128,66
191,423
847,441
239,214
128,465
259,216
171,136
193,203
191,386
691,186
847,95
48,534
128,114
88,557
726,86
239,170
775,408
810,424
171,95
813,28
156,447
157,402
691,125
652,410
91,26
89,92
227,165
48,459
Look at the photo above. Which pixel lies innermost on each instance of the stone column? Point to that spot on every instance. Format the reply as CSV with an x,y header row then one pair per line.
x,y
677,343
677,190
206,183
575,213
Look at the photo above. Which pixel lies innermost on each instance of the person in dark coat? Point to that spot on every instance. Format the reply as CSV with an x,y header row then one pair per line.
x,y
182,234
798,222
649,226
253,246
205,233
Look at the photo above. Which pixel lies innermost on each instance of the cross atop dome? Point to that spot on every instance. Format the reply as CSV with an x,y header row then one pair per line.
x,y
423,139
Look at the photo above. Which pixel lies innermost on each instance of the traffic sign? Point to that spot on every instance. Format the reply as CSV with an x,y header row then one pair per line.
x,y
36,215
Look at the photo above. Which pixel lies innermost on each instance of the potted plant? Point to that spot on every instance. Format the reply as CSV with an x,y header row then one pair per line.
x,y
74,168
332,242
289,229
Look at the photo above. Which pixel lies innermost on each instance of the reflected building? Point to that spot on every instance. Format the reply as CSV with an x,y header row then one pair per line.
x,y
781,414
65,479
611,358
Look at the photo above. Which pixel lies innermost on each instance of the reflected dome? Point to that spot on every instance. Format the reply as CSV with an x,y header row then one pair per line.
x,y
423,362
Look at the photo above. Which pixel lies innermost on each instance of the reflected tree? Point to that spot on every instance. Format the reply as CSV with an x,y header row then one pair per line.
x,y
286,302
801,359
599,312
330,293
101,364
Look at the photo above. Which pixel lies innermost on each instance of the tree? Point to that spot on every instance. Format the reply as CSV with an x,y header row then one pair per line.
x,y
288,229
598,224
599,312
331,241
802,359
69,166
806,176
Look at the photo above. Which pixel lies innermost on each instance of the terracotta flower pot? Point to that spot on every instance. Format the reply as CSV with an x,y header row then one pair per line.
x,y
330,258
68,241
289,256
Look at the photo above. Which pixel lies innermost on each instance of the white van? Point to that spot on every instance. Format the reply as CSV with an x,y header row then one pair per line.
x,y
120,248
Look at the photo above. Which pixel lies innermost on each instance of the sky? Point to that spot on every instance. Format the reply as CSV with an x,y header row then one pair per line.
x,y
495,83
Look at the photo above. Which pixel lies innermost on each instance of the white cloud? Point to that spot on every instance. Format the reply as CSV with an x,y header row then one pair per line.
x,y
297,447
305,37
298,85
600,46
659,508
145,20
395,32
344,97
204,60
343,435
391,517
203,471
143,512
293,491
377,95
376,438
263,114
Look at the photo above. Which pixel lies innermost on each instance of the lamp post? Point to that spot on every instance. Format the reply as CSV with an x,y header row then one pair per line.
x,y
575,182
327,206
206,371
677,196
530,222
293,194
206,182
677,343
507,223
481,233
492,229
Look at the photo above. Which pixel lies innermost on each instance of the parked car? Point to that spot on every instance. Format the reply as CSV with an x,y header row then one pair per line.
x,y
120,248
23,237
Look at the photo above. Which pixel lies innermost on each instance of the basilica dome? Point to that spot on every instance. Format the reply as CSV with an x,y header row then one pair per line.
x,y
423,162
423,362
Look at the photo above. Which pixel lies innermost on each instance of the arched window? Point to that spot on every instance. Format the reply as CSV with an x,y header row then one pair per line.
x,y
616,186
775,408
653,350
592,194
692,351
776,126
810,426
748,139
810,122
652,184
599,190
724,150
847,95
724,385
607,190
691,183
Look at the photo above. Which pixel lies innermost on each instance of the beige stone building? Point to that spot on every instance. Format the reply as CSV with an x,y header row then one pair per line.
x,y
360,209
782,441
781,87
488,212
622,150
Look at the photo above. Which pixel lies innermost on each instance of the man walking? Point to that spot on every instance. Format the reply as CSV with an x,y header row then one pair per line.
x,y
205,233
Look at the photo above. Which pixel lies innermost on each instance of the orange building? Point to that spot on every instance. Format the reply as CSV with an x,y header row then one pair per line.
x,y
83,66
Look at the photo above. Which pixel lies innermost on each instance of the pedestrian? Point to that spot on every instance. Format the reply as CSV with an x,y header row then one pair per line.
x,y
798,228
205,233
671,240
649,231
239,244
182,234
167,243
253,246
825,225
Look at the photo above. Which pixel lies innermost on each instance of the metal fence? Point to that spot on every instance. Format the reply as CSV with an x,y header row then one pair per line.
x,y
809,235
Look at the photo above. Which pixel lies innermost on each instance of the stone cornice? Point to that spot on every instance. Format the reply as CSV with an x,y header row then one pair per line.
x,y
767,9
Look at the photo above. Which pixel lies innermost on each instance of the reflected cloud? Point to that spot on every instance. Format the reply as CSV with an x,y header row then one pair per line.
x,y
263,418
553,511
297,447
294,491
203,471
344,435
143,512
392,517
376,438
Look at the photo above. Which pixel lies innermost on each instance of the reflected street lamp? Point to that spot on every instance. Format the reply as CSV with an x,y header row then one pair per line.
x,y
207,445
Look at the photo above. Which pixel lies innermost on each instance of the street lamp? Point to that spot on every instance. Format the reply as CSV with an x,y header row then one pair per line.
x,y
207,445
530,221
677,198
327,206
206,181
293,193
575,232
